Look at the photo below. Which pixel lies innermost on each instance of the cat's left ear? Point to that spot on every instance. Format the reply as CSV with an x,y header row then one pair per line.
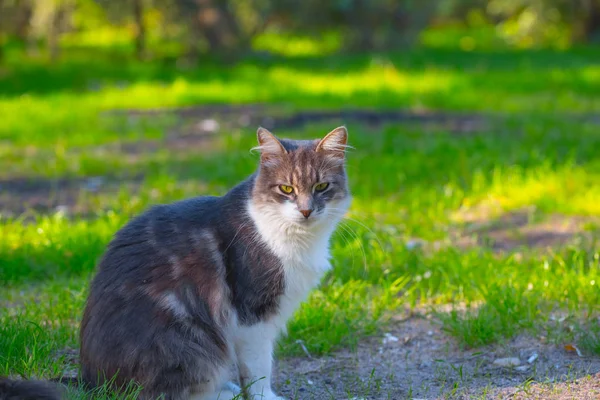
x,y
335,142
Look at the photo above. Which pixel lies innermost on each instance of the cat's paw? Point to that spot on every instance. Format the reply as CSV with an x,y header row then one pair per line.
x,y
232,387
275,397
267,396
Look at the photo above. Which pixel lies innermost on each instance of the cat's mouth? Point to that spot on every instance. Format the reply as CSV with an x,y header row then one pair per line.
x,y
300,220
304,221
312,220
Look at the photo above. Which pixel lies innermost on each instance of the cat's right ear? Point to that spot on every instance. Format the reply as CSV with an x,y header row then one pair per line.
x,y
270,147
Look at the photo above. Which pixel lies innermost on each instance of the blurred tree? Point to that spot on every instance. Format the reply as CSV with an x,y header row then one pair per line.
x,y
228,27
121,11
49,19
547,21
527,23
15,16
587,24
224,27
363,24
140,32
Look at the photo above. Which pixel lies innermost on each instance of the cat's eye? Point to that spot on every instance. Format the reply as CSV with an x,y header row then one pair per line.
x,y
321,186
286,189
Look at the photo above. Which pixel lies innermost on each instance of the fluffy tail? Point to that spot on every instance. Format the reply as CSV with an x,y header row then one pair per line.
x,y
11,389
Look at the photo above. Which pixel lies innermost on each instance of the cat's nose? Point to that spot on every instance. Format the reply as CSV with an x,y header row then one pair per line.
x,y
306,213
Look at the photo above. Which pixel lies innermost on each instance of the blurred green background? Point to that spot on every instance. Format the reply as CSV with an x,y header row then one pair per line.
x,y
475,170
233,29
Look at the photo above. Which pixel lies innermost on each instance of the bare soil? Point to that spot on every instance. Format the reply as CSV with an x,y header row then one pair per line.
x,y
418,361
518,229
273,117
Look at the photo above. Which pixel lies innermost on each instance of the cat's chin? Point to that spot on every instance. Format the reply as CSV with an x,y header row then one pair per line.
x,y
304,222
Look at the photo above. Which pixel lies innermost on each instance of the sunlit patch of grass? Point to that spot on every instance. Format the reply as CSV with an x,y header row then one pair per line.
x,y
37,324
60,105
504,312
50,117
288,45
381,77
523,293
569,189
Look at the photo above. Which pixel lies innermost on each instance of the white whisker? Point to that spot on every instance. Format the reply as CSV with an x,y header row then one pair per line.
x,y
235,236
348,230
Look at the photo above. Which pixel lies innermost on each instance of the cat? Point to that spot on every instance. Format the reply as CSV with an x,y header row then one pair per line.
x,y
188,289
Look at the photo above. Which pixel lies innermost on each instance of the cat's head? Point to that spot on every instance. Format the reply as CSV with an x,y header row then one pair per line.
x,y
303,182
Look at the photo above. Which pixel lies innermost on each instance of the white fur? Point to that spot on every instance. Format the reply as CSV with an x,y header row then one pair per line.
x,y
220,389
170,302
302,245
254,351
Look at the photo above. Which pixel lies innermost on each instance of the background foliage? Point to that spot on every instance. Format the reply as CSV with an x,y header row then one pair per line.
x,y
232,28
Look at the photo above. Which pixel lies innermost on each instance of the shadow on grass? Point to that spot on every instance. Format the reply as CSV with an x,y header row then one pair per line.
x,y
421,151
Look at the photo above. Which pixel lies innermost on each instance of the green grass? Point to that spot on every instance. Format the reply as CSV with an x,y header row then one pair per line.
x,y
408,182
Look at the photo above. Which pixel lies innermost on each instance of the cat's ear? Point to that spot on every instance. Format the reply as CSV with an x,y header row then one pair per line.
x,y
335,142
268,145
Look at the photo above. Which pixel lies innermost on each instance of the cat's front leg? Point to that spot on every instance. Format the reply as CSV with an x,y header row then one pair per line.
x,y
254,351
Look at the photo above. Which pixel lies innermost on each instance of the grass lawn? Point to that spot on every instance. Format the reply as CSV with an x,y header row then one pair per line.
x,y
428,225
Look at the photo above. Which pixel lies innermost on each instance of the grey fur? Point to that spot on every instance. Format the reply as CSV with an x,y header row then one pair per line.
x,y
167,352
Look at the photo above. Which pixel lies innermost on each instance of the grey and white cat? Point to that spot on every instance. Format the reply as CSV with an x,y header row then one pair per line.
x,y
188,289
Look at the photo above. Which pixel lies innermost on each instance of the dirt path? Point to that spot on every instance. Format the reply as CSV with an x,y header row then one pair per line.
x,y
418,361
415,360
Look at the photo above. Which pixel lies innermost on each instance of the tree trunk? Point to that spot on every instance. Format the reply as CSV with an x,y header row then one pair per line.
x,y
3,31
360,34
2,34
207,22
24,21
220,27
53,33
591,24
230,24
140,27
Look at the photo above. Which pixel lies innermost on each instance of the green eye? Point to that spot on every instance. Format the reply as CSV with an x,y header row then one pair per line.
x,y
286,189
321,186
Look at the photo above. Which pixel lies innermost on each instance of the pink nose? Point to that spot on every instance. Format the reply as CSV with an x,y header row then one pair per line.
x,y
306,213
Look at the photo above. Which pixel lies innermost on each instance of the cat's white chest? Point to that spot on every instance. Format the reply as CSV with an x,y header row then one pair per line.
x,y
303,267
304,255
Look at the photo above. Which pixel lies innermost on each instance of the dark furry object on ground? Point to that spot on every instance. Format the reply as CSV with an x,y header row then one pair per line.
x,y
11,389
